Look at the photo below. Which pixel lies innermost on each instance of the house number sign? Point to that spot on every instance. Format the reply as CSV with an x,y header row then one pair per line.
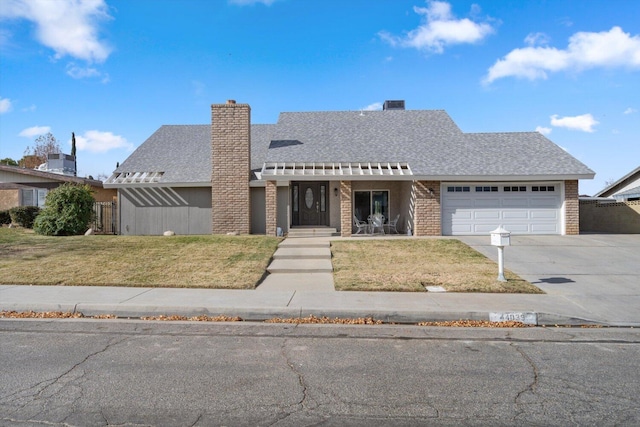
x,y
526,318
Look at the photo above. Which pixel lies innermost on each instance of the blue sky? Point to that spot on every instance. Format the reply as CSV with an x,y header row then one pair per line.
x,y
113,71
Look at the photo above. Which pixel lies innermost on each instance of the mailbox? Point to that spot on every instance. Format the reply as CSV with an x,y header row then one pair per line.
x,y
500,237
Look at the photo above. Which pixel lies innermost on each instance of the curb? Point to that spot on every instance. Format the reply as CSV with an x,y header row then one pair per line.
x,y
259,314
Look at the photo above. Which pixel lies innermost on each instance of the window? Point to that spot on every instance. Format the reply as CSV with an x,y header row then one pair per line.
x,y
367,203
486,189
295,198
543,188
323,198
458,189
515,188
33,197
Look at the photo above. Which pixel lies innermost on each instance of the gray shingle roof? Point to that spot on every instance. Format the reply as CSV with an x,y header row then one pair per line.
x,y
428,140
352,136
182,152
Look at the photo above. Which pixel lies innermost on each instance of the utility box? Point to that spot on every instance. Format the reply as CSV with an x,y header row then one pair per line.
x,y
500,237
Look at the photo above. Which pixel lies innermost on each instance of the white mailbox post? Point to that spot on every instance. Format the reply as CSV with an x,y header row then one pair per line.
x,y
501,238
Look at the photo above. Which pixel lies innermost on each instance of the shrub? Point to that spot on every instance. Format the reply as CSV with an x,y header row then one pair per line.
x,y
24,216
5,217
67,211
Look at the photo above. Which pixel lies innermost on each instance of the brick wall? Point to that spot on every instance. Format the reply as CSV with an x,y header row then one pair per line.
x,y
271,204
571,207
231,168
427,219
346,209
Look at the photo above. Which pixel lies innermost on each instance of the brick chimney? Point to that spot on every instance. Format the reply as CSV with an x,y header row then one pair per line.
x,y
231,168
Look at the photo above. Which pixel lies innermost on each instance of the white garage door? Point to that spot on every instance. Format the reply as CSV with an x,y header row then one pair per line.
x,y
522,209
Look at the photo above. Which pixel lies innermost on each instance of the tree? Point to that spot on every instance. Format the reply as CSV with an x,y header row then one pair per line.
x,y
67,211
8,161
44,145
73,153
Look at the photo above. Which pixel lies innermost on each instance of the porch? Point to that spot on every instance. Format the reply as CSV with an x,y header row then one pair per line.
x,y
299,205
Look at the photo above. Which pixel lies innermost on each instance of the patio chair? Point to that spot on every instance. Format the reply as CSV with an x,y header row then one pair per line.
x,y
360,225
391,225
376,222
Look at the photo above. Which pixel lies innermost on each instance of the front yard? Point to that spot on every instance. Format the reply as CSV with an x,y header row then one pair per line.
x,y
413,264
239,262
221,262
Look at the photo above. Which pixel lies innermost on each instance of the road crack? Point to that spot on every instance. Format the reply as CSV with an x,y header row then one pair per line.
x,y
530,388
37,398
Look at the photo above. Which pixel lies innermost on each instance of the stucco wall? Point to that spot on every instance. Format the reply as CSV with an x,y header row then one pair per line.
x,y
604,217
283,219
9,199
104,194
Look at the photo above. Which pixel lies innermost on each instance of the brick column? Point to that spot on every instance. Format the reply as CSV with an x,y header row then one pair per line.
x,y
427,209
231,168
346,209
271,202
571,207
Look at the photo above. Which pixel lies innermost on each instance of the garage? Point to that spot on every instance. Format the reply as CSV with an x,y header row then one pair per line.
x,y
478,208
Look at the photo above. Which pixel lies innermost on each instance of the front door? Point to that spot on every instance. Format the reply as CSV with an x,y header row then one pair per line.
x,y
312,203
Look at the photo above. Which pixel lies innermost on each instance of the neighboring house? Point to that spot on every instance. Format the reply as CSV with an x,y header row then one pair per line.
x,y
29,187
615,209
321,169
625,189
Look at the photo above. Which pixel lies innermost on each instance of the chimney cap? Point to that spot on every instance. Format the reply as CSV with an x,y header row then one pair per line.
x,y
393,105
231,101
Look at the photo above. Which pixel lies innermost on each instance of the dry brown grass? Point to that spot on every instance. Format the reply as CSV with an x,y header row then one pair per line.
x,y
412,264
222,262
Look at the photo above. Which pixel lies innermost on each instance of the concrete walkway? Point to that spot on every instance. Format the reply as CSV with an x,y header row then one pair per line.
x,y
588,279
301,264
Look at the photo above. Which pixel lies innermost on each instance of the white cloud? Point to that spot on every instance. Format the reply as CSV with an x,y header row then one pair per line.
x,y
630,111
81,72
31,108
439,29
69,27
35,131
251,2
609,49
376,106
543,130
584,123
5,105
100,142
537,39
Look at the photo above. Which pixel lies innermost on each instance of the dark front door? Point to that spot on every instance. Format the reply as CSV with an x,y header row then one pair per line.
x,y
313,203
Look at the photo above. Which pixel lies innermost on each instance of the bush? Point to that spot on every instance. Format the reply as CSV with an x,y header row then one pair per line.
x,y
67,211
24,216
5,218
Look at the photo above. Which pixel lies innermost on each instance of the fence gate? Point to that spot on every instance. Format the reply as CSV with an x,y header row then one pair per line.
x,y
105,218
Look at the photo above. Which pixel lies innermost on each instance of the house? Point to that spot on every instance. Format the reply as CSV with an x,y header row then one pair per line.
x,y
615,209
322,169
626,188
29,187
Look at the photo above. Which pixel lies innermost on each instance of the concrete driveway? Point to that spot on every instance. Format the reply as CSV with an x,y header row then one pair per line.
x,y
598,272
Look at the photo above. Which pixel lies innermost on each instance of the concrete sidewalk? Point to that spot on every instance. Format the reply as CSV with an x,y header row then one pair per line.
x,y
254,305
588,279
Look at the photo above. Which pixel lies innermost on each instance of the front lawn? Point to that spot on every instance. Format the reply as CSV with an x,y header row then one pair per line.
x,y
221,262
413,264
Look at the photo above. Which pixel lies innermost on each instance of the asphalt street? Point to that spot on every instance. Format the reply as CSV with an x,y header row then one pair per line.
x,y
113,372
